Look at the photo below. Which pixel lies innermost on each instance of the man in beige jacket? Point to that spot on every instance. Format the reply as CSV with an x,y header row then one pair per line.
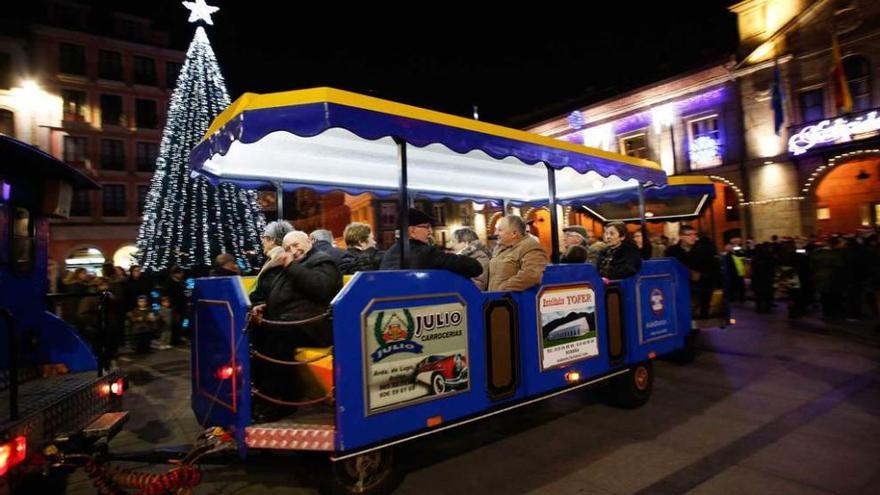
x,y
519,261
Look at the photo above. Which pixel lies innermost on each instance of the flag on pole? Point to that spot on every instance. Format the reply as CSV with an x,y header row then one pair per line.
x,y
839,85
776,99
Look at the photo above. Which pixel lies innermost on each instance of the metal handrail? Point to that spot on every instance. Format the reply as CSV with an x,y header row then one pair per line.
x,y
268,359
252,318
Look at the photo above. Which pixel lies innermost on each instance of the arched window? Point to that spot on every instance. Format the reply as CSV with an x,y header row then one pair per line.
x,y
858,74
7,123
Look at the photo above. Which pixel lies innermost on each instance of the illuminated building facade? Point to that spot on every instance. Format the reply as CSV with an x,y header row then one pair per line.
x,y
819,174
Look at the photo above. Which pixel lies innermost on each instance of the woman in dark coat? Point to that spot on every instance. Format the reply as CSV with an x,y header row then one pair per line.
x,y
362,248
620,258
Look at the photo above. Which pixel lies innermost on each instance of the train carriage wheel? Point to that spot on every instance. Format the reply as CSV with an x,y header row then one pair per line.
x,y
633,389
372,473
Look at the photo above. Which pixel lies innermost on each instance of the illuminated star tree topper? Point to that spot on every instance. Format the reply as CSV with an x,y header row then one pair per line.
x,y
200,11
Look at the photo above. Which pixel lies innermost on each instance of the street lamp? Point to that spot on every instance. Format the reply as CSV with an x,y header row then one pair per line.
x,y
30,97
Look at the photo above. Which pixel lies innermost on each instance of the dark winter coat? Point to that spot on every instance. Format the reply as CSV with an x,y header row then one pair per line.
x,y
826,266
176,291
701,259
303,290
366,260
423,256
341,257
620,262
132,288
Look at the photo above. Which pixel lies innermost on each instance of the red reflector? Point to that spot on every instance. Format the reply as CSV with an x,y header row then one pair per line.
x,y
225,372
652,355
434,421
20,450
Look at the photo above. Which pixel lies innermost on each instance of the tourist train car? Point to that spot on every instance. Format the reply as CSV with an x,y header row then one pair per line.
x,y
421,351
59,397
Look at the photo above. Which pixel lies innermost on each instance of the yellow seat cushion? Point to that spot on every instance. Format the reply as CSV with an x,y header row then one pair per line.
x,y
316,377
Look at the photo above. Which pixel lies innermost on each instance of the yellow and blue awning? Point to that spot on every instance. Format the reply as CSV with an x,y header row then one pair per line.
x,y
683,197
329,139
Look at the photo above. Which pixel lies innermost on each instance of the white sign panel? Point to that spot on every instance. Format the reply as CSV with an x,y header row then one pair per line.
x,y
567,317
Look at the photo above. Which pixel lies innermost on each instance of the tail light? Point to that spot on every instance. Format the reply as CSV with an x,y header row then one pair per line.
x,y
225,372
115,388
12,454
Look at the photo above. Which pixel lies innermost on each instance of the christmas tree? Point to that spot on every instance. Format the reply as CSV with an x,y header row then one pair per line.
x,y
187,221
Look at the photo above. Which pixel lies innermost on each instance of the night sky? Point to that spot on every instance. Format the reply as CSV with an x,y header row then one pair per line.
x,y
518,66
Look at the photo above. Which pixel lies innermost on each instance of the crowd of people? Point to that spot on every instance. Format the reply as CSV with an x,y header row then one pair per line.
x,y
838,275
141,312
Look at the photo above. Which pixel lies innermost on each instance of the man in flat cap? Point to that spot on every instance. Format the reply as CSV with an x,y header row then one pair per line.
x,y
424,256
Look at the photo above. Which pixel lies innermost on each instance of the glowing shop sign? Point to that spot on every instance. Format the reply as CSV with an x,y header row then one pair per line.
x,y
828,131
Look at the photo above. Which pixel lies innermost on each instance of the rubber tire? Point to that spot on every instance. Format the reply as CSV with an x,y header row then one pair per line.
x,y
434,378
343,478
632,390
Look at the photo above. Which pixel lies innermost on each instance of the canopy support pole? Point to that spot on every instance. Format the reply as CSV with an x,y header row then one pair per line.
x,y
554,220
279,199
643,225
403,203
505,207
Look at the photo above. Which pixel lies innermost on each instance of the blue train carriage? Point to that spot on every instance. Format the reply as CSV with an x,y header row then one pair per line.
x,y
683,198
419,351
59,398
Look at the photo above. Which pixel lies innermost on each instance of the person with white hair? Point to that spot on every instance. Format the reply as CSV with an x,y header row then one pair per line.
x,y
467,243
424,256
272,237
302,290
322,240
520,260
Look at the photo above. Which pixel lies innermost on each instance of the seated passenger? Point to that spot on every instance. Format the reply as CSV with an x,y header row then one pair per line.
x,y
574,254
639,241
303,289
322,240
519,259
361,248
573,235
466,243
620,258
424,256
273,236
225,266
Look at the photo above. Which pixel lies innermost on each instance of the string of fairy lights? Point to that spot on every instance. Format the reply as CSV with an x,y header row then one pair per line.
x,y
187,221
